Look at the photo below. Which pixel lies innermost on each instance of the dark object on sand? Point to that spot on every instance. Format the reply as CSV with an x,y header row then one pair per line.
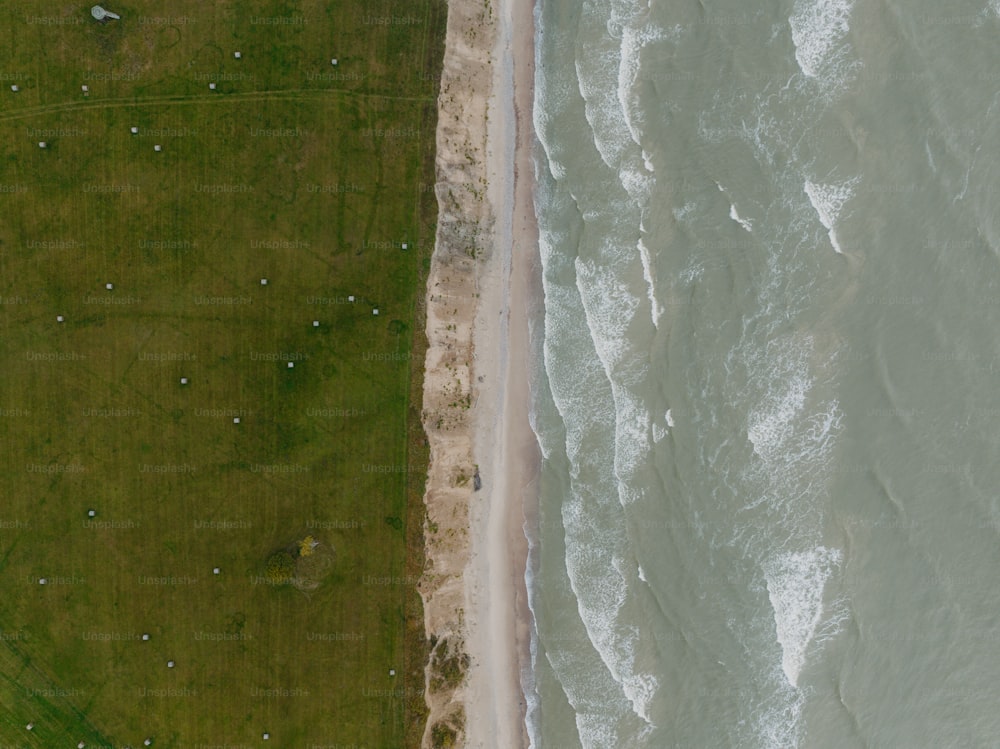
x,y
477,482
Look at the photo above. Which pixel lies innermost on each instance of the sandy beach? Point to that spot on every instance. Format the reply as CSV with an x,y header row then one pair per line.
x,y
482,287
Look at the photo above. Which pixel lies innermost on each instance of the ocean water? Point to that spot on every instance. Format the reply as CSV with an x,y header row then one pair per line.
x,y
767,387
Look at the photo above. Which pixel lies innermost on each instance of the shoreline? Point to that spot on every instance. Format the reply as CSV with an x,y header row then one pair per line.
x,y
483,284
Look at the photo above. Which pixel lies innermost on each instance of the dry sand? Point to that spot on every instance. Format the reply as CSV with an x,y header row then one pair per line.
x,y
483,284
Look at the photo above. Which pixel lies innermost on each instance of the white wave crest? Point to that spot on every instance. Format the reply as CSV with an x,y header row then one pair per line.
x,y
610,306
588,402
819,32
779,725
635,38
745,223
828,200
795,583
793,431
649,274
598,88
640,690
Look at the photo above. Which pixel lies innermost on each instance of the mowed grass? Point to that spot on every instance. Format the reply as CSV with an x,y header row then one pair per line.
x,y
311,176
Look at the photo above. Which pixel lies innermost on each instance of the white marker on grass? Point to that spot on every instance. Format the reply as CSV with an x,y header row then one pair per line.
x,y
236,419
170,664
315,323
291,365
134,129
109,286
100,14
145,636
263,282
42,144
211,86
237,55
60,318
184,380
157,148
14,88
91,513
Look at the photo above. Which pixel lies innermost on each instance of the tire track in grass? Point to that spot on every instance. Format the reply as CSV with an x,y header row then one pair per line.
x,y
290,95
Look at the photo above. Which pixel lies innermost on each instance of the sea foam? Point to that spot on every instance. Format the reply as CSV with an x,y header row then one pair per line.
x,y
819,32
745,223
793,433
580,372
649,274
795,584
828,200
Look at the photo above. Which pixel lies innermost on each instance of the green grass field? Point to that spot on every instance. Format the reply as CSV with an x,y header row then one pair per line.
x,y
311,176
